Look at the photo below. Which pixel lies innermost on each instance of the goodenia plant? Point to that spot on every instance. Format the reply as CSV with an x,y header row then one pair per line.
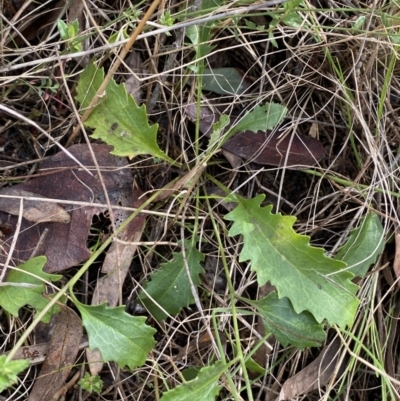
x,y
312,289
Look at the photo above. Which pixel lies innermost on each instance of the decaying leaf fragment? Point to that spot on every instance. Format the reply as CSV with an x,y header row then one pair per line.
x,y
316,374
116,266
64,245
64,347
35,210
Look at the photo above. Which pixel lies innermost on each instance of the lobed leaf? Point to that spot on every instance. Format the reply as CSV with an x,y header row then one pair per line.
x,y
10,370
203,388
312,281
25,287
117,119
119,337
289,327
170,286
261,118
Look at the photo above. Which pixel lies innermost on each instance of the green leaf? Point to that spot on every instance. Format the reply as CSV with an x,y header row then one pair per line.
x,y
203,388
73,28
293,19
10,370
63,29
119,337
289,327
117,119
261,118
312,281
218,129
25,287
223,81
170,286
364,245
92,384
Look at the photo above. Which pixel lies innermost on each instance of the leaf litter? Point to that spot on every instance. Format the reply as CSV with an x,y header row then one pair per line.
x,y
307,77
64,245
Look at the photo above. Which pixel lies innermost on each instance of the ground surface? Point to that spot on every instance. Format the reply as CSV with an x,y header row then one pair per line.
x,y
333,65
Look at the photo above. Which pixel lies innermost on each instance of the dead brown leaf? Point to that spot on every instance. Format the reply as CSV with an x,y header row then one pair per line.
x,y
33,210
116,266
264,147
316,374
65,244
64,347
133,85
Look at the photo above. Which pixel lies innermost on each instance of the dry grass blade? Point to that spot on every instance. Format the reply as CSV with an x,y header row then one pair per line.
x,y
332,64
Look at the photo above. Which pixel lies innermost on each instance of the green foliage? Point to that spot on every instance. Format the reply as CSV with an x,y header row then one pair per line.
x,y
119,337
167,20
203,388
261,118
170,286
117,119
312,281
218,129
69,33
224,81
90,383
10,370
25,285
200,35
364,245
289,327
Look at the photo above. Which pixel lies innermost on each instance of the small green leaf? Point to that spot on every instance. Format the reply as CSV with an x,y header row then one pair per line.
x,y
117,119
312,281
63,29
261,118
10,370
293,19
364,245
170,286
218,129
224,81
359,22
289,327
92,384
166,19
119,337
203,388
73,28
25,287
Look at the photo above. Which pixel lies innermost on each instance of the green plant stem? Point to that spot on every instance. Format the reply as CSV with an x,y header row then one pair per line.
x,y
385,87
238,346
348,183
74,279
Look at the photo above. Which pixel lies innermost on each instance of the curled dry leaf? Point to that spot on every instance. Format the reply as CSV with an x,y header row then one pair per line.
x,y
63,349
316,374
64,245
116,266
34,210
263,147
